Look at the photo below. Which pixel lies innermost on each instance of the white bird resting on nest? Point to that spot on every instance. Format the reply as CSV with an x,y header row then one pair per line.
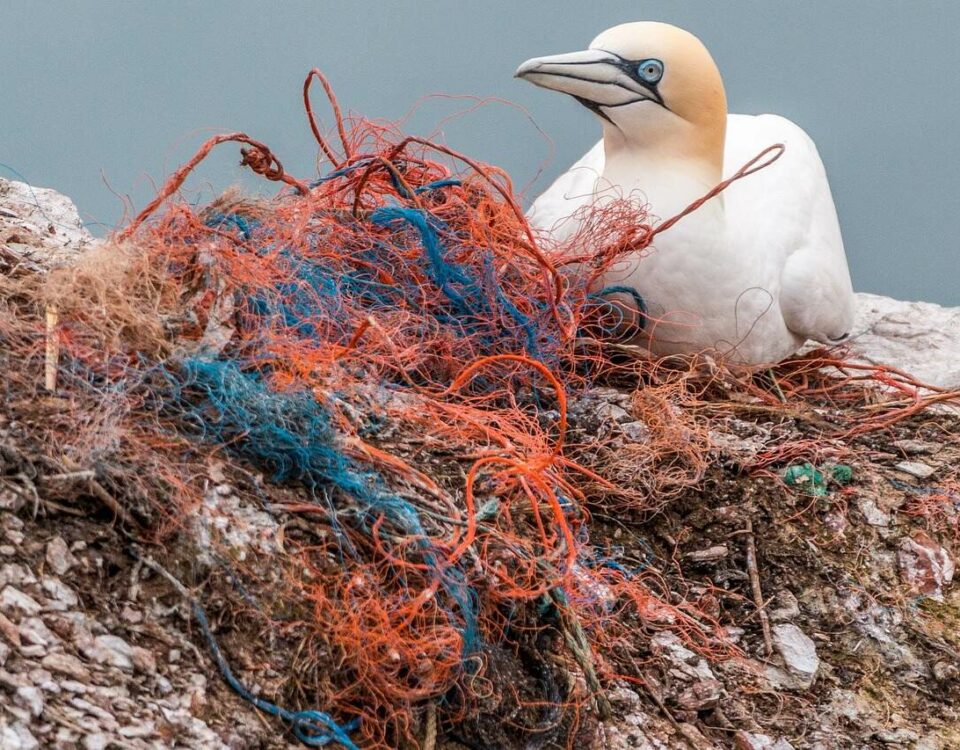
x,y
757,270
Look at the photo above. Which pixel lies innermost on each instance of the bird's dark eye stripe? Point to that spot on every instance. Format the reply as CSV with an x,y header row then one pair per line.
x,y
634,68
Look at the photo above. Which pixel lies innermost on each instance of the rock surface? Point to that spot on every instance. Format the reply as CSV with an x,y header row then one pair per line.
x,y
918,337
38,226
799,653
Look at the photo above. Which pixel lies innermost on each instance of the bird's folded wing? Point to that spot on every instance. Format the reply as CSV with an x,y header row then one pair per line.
x,y
794,223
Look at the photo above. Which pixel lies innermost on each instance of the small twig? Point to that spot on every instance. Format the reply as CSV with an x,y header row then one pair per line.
x,y
27,485
430,730
70,476
105,497
52,359
757,591
158,568
776,386
757,611
111,502
63,508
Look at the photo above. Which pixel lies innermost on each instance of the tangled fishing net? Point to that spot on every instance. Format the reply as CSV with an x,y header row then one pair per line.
x,y
387,353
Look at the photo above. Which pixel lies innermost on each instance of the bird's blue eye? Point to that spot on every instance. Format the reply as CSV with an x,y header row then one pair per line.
x,y
650,71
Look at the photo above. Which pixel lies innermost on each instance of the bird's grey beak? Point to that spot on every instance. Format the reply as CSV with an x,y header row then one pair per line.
x,y
594,77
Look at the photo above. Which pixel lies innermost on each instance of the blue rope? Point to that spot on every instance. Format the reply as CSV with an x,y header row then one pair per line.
x,y
290,436
471,307
244,225
618,289
914,490
437,184
342,172
313,728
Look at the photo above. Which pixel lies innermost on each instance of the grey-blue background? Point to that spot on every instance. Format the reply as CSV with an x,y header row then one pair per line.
x,y
120,92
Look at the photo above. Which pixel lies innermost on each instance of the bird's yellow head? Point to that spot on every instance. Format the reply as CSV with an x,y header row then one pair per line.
x,y
653,85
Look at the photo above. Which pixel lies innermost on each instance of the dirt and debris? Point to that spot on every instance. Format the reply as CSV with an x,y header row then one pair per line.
x,y
97,651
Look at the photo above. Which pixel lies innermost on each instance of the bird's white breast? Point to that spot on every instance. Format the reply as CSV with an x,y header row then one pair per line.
x,y
715,281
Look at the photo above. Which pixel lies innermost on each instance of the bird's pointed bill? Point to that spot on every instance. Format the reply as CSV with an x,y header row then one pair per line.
x,y
595,76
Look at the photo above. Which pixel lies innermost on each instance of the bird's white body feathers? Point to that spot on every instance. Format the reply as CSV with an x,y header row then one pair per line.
x,y
752,274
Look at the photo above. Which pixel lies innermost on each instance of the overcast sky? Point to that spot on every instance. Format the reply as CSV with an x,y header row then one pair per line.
x,y
107,97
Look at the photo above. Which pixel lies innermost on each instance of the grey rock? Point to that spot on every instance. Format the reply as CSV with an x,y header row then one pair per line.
x,y
39,676
612,412
74,687
164,686
798,651
19,713
143,660
131,615
65,739
62,597
19,737
918,337
898,736
58,556
700,696
787,607
12,680
30,698
14,536
111,650
685,664
13,600
27,740
750,741
916,469
138,730
916,447
635,432
925,566
34,631
45,222
944,671
17,575
66,664
12,501
711,554
96,741
871,512
9,739
623,697
86,706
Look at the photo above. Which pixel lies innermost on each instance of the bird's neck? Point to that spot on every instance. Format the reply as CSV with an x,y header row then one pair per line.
x,y
667,175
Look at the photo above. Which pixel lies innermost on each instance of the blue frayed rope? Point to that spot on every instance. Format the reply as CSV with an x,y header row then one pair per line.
x,y
290,436
313,728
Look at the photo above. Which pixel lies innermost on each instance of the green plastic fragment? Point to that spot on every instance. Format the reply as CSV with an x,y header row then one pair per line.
x,y
812,480
806,476
842,473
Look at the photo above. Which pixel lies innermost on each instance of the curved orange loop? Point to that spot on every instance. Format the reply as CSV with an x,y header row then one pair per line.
x,y
468,372
178,177
337,114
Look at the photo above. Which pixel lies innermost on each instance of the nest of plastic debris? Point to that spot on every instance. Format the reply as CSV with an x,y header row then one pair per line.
x,y
360,422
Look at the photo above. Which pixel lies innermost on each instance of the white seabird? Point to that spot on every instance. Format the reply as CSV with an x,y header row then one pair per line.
x,y
757,270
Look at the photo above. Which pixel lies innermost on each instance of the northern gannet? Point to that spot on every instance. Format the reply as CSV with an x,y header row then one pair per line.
x,y
757,270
